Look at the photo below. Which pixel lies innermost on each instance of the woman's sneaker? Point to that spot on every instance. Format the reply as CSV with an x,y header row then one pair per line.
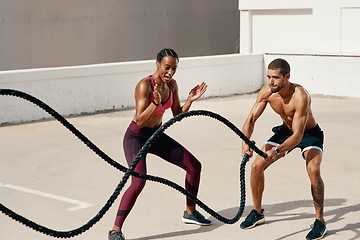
x,y
318,230
116,235
254,218
195,218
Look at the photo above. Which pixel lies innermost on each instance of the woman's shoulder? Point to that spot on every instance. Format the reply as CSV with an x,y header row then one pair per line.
x,y
144,85
173,84
146,81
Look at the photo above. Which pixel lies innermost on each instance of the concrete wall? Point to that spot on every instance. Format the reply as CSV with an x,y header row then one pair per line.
x,y
320,39
323,74
300,27
52,33
92,88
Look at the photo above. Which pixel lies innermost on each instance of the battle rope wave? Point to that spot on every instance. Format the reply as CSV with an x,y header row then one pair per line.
x,y
130,171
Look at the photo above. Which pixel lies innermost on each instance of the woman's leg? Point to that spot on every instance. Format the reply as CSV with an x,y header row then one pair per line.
x,y
132,145
171,151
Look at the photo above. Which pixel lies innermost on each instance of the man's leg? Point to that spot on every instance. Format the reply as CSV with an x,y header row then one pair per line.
x,y
313,160
257,178
257,182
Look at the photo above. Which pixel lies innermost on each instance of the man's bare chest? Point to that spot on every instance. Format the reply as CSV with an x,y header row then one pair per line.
x,y
285,109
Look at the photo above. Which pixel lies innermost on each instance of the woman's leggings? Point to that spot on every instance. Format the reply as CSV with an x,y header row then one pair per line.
x,y
166,148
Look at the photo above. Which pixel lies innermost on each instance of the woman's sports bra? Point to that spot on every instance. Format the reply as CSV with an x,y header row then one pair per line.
x,y
162,107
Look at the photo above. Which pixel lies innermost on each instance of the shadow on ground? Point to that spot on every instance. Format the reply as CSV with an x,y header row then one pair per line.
x,y
280,212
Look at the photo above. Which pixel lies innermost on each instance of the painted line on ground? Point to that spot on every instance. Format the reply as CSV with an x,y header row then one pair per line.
x,y
79,204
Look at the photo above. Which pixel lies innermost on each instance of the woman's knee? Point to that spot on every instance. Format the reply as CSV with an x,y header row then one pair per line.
x,y
195,165
137,184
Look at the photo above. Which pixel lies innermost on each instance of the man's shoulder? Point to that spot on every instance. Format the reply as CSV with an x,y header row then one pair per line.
x,y
299,91
265,92
301,96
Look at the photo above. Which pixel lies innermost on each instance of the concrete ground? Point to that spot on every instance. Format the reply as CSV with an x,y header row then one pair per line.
x,y
50,177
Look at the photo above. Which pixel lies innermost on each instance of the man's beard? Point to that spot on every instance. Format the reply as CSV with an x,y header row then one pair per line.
x,y
275,90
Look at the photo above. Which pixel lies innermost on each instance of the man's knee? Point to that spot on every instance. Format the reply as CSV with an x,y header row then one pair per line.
x,y
313,172
257,167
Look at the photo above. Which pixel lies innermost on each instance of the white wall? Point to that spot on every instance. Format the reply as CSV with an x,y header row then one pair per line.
x,y
328,75
300,27
350,34
320,39
92,88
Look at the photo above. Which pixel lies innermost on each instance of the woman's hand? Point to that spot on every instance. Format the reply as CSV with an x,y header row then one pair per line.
x,y
156,94
197,91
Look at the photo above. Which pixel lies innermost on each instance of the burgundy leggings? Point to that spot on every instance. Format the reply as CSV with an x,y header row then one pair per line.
x,y
164,147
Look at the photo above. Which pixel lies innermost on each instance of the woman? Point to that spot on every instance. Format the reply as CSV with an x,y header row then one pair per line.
x,y
153,95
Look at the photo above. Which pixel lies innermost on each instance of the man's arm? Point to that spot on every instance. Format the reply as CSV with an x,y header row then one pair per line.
x,y
255,113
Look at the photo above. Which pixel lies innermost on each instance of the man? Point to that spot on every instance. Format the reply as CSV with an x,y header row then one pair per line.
x,y
292,102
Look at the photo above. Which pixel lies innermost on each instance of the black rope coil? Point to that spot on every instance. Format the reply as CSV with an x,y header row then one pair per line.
x,y
130,171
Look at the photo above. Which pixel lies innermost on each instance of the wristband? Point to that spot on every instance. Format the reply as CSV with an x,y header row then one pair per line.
x,y
277,151
156,104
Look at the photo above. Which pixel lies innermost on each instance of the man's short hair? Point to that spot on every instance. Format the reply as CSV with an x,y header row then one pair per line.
x,y
282,64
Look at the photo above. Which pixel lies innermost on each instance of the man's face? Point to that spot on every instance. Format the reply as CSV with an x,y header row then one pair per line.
x,y
276,79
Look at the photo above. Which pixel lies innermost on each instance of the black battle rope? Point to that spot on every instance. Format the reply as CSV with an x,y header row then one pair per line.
x,y
130,171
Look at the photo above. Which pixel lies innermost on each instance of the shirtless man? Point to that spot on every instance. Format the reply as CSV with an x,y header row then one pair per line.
x,y
292,102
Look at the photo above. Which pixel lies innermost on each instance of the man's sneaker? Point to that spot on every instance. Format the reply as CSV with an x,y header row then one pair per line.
x,y
195,218
117,235
318,230
253,219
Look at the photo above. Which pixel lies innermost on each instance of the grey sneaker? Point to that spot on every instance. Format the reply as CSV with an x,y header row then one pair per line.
x,y
117,235
318,230
254,218
195,218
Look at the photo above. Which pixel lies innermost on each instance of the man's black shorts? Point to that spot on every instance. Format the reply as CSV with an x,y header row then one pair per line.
x,y
313,138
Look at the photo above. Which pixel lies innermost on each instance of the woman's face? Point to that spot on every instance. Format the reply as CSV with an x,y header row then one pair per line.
x,y
167,68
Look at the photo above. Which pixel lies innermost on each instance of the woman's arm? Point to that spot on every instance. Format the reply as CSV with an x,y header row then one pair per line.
x,y
144,109
194,94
